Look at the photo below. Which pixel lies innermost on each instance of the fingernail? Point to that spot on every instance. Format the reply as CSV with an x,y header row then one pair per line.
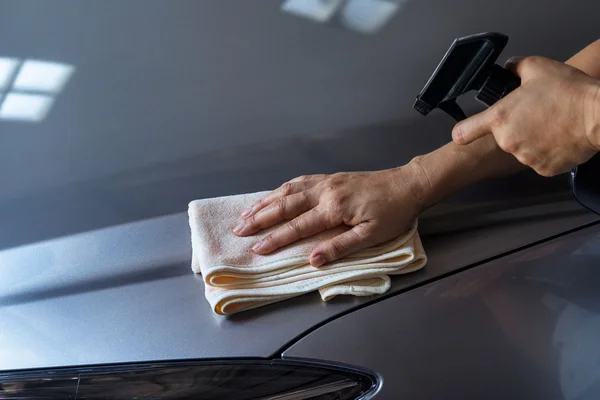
x,y
238,228
258,246
318,260
246,212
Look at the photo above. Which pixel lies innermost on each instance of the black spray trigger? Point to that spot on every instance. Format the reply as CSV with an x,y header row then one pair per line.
x,y
498,84
451,108
468,65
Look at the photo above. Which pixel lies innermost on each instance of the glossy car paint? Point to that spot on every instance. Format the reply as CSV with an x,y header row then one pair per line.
x,y
172,101
127,293
522,326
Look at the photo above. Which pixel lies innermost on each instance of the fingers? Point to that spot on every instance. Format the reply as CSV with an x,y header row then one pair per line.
x,y
307,224
312,178
479,125
294,186
472,128
358,238
533,67
281,209
514,65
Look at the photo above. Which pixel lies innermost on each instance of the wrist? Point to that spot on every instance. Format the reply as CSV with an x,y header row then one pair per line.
x,y
414,176
592,115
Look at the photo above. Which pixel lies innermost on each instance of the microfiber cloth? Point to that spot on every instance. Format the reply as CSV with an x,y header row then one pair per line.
x,y
237,279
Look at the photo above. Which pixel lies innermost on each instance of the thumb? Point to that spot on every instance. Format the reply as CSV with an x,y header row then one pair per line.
x,y
357,238
472,128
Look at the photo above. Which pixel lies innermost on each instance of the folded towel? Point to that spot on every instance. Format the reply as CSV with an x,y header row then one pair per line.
x,y
237,279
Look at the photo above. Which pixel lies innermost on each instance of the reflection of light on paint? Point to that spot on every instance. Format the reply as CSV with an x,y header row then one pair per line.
x,y
368,16
7,70
42,76
25,106
316,10
32,93
14,350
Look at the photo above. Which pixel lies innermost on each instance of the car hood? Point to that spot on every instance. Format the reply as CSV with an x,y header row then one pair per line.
x,y
167,102
127,293
161,102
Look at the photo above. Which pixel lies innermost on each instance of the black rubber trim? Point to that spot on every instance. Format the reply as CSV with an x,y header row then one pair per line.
x,y
285,347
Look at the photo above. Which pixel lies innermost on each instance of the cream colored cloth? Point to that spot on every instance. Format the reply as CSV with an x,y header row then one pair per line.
x,y
237,279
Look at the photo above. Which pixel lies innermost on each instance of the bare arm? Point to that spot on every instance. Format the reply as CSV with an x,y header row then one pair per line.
x,y
379,205
454,167
588,60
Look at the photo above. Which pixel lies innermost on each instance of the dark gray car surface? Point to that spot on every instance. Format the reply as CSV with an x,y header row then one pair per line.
x,y
526,325
173,101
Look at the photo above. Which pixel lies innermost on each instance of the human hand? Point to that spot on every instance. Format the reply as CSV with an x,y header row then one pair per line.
x,y
379,206
551,123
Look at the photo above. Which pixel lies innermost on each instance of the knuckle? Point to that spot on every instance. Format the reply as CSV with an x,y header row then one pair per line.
x,y
511,146
530,62
300,178
366,231
326,219
294,226
544,171
358,236
526,160
252,223
459,133
331,185
336,180
280,205
269,239
499,115
286,188
336,204
507,144
336,248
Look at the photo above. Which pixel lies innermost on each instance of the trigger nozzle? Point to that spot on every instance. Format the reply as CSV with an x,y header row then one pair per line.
x,y
498,83
451,108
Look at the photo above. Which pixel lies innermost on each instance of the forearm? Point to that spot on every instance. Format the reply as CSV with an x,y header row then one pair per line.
x,y
450,168
588,60
592,113
453,167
